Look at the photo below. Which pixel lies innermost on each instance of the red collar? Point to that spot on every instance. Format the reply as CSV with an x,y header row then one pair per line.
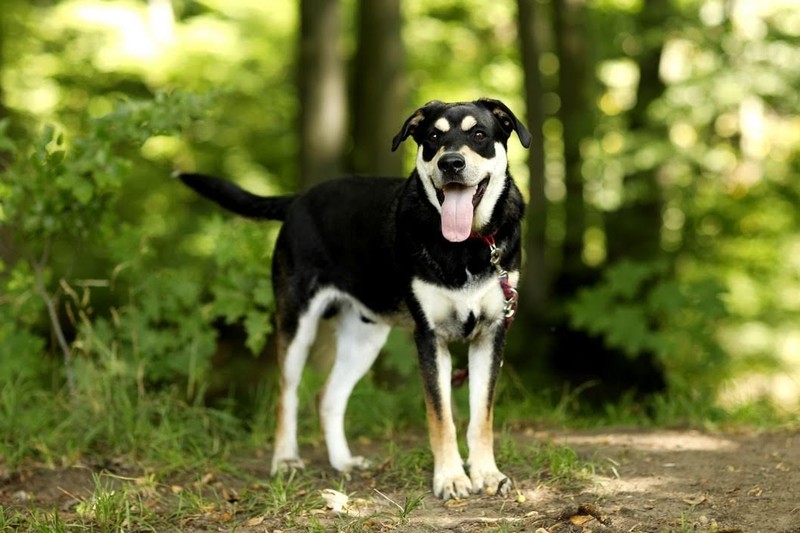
x,y
488,239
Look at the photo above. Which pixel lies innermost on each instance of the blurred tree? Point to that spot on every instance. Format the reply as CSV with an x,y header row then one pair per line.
x,y
322,88
6,249
635,228
577,114
535,276
379,88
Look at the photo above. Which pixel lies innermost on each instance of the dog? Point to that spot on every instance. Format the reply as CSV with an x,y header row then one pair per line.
x,y
438,252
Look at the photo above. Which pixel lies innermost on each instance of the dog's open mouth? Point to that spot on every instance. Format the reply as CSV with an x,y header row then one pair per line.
x,y
458,207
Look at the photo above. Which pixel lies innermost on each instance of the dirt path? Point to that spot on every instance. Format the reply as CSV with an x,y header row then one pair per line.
x,y
646,481
684,481
643,481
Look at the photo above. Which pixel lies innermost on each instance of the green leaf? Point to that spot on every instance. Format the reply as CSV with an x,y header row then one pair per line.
x,y
625,279
666,298
258,326
590,309
628,330
82,190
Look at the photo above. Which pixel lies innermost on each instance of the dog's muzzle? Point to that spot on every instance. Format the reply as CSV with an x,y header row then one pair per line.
x,y
457,199
451,165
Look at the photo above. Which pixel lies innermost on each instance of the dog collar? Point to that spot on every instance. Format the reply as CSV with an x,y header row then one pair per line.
x,y
509,292
510,295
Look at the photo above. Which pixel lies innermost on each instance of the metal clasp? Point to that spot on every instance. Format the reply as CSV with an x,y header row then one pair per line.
x,y
494,257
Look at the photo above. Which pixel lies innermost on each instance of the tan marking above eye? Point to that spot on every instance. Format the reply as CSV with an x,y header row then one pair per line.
x,y
442,124
468,123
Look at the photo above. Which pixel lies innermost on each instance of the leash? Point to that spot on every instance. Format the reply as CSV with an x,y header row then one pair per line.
x,y
461,375
509,293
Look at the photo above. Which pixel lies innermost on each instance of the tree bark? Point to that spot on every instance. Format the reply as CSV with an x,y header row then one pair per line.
x,y
379,88
535,282
576,89
322,87
635,229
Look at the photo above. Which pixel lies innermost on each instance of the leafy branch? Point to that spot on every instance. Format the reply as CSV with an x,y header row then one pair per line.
x,y
58,192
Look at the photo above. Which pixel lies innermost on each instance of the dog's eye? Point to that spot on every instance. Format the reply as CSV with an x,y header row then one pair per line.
x,y
433,136
479,136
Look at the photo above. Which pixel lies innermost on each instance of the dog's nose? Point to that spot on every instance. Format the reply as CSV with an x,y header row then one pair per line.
x,y
452,163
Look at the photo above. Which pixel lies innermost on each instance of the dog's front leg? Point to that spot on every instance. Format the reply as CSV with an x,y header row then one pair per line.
x,y
485,357
449,479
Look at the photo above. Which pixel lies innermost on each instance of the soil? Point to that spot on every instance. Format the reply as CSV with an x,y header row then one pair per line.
x,y
643,481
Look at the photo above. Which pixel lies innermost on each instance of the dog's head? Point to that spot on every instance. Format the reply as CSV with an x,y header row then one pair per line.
x,y
462,160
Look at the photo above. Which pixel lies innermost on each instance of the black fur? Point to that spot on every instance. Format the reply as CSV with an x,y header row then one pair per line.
x,y
238,200
368,237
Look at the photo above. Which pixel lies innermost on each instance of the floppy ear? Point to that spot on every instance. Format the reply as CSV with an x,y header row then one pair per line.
x,y
507,119
409,128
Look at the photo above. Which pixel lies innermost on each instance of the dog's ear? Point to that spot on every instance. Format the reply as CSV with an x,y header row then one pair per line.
x,y
507,119
410,126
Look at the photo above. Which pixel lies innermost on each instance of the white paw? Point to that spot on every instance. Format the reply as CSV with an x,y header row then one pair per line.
x,y
490,481
351,463
451,484
286,464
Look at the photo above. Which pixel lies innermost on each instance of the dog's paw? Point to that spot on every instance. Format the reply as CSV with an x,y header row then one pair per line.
x,y
449,485
351,464
286,464
491,482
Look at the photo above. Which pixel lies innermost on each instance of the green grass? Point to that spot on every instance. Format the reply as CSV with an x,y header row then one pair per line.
x,y
163,463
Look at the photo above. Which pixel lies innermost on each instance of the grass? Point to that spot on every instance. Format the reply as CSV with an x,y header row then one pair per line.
x,y
153,461
154,490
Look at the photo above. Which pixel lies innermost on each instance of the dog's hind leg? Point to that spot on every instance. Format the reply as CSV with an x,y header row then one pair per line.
x,y
358,342
293,351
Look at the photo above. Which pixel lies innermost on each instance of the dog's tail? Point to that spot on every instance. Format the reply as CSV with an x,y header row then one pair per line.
x,y
234,198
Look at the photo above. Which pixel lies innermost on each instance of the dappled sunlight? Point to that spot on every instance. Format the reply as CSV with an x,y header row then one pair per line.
x,y
633,485
692,441
138,34
621,77
778,383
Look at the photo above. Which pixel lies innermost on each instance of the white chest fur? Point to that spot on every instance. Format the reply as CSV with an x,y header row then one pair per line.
x,y
456,313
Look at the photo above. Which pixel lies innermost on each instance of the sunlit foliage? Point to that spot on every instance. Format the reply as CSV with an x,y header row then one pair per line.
x,y
156,270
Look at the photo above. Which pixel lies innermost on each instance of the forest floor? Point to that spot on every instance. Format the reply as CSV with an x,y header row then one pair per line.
x,y
632,480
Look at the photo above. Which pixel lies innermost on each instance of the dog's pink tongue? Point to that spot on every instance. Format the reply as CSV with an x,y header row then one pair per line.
x,y
457,212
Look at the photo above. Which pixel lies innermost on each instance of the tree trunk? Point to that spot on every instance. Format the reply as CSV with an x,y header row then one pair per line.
x,y
576,89
322,87
535,276
635,229
379,88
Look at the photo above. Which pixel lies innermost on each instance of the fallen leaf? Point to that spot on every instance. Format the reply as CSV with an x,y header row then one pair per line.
x,y
255,521
455,503
594,512
22,496
583,514
230,495
580,519
695,500
334,500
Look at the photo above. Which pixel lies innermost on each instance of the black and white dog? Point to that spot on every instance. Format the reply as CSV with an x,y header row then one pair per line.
x,y
438,252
